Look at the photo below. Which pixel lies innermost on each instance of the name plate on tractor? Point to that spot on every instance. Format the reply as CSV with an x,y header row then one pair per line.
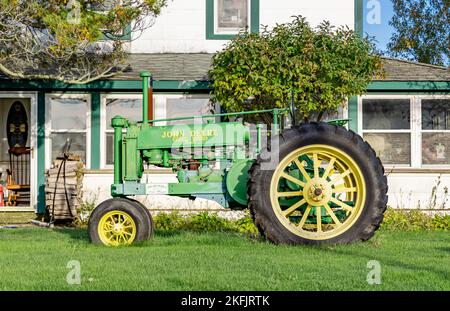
x,y
157,189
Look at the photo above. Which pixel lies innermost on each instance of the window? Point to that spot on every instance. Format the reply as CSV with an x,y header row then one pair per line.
x,y
225,18
411,131
435,131
128,106
186,106
232,15
68,122
387,128
174,106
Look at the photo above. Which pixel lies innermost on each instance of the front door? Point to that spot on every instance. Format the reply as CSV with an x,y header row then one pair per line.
x,y
16,151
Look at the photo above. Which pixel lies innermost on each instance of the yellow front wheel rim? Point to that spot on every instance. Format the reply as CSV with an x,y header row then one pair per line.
x,y
317,182
117,228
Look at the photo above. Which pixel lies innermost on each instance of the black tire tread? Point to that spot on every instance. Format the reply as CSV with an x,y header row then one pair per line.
x,y
132,207
266,221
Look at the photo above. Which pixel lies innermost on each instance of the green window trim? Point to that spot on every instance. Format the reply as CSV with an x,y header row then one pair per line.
x,y
195,86
359,12
95,130
40,180
352,110
210,29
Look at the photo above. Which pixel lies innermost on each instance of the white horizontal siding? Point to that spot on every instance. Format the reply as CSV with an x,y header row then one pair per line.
x,y
181,28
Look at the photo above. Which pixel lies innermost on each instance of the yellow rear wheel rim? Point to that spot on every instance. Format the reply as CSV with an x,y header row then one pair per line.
x,y
331,186
117,228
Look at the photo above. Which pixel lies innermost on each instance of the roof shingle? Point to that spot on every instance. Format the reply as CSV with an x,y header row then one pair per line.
x,y
195,66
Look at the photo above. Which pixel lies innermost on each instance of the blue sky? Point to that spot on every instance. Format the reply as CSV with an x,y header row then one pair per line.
x,y
376,17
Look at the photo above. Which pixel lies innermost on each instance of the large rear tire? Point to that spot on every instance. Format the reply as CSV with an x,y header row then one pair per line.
x,y
327,187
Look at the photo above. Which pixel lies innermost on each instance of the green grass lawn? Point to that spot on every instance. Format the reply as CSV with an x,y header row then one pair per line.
x,y
36,259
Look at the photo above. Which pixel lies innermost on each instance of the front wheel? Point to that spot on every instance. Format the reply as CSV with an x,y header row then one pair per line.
x,y
327,186
119,221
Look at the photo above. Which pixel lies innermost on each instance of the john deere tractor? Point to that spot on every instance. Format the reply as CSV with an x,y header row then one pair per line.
x,y
311,183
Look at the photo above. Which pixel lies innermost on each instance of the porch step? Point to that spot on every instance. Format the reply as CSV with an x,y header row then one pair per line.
x,y
16,217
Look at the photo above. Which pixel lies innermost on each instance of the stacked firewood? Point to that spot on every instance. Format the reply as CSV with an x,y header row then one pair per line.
x,y
63,193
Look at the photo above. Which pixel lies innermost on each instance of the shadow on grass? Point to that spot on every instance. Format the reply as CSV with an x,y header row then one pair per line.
x,y
79,234
168,233
444,249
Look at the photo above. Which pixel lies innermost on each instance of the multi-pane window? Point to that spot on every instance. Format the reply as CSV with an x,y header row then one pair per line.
x,y
435,131
130,108
387,128
164,107
232,15
68,124
411,131
186,106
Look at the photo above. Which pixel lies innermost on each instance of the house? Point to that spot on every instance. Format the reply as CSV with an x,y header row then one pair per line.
x,y
406,116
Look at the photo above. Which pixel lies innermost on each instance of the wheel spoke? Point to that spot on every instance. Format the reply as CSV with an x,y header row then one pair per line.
x,y
292,209
332,214
329,168
121,219
289,194
316,164
302,169
341,176
342,204
125,240
293,179
304,217
319,218
344,189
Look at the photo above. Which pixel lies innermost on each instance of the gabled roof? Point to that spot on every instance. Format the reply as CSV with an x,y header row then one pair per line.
x,y
195,67
167,66
403,70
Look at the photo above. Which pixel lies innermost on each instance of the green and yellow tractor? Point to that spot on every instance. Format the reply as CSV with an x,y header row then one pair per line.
x,y
310,184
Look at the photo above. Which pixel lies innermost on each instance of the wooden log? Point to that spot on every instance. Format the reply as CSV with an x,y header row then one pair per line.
x,y
60,190
70,174
60,180
61,197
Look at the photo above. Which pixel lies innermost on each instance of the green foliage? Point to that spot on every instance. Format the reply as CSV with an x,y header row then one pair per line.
x,y
323,66
246,225
169,222
85,211
64,39
204,222
207,222
414,220
421,31
441,222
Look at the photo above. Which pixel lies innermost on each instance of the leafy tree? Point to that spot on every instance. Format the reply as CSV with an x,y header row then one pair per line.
x,y
421,31
322,66
74,41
